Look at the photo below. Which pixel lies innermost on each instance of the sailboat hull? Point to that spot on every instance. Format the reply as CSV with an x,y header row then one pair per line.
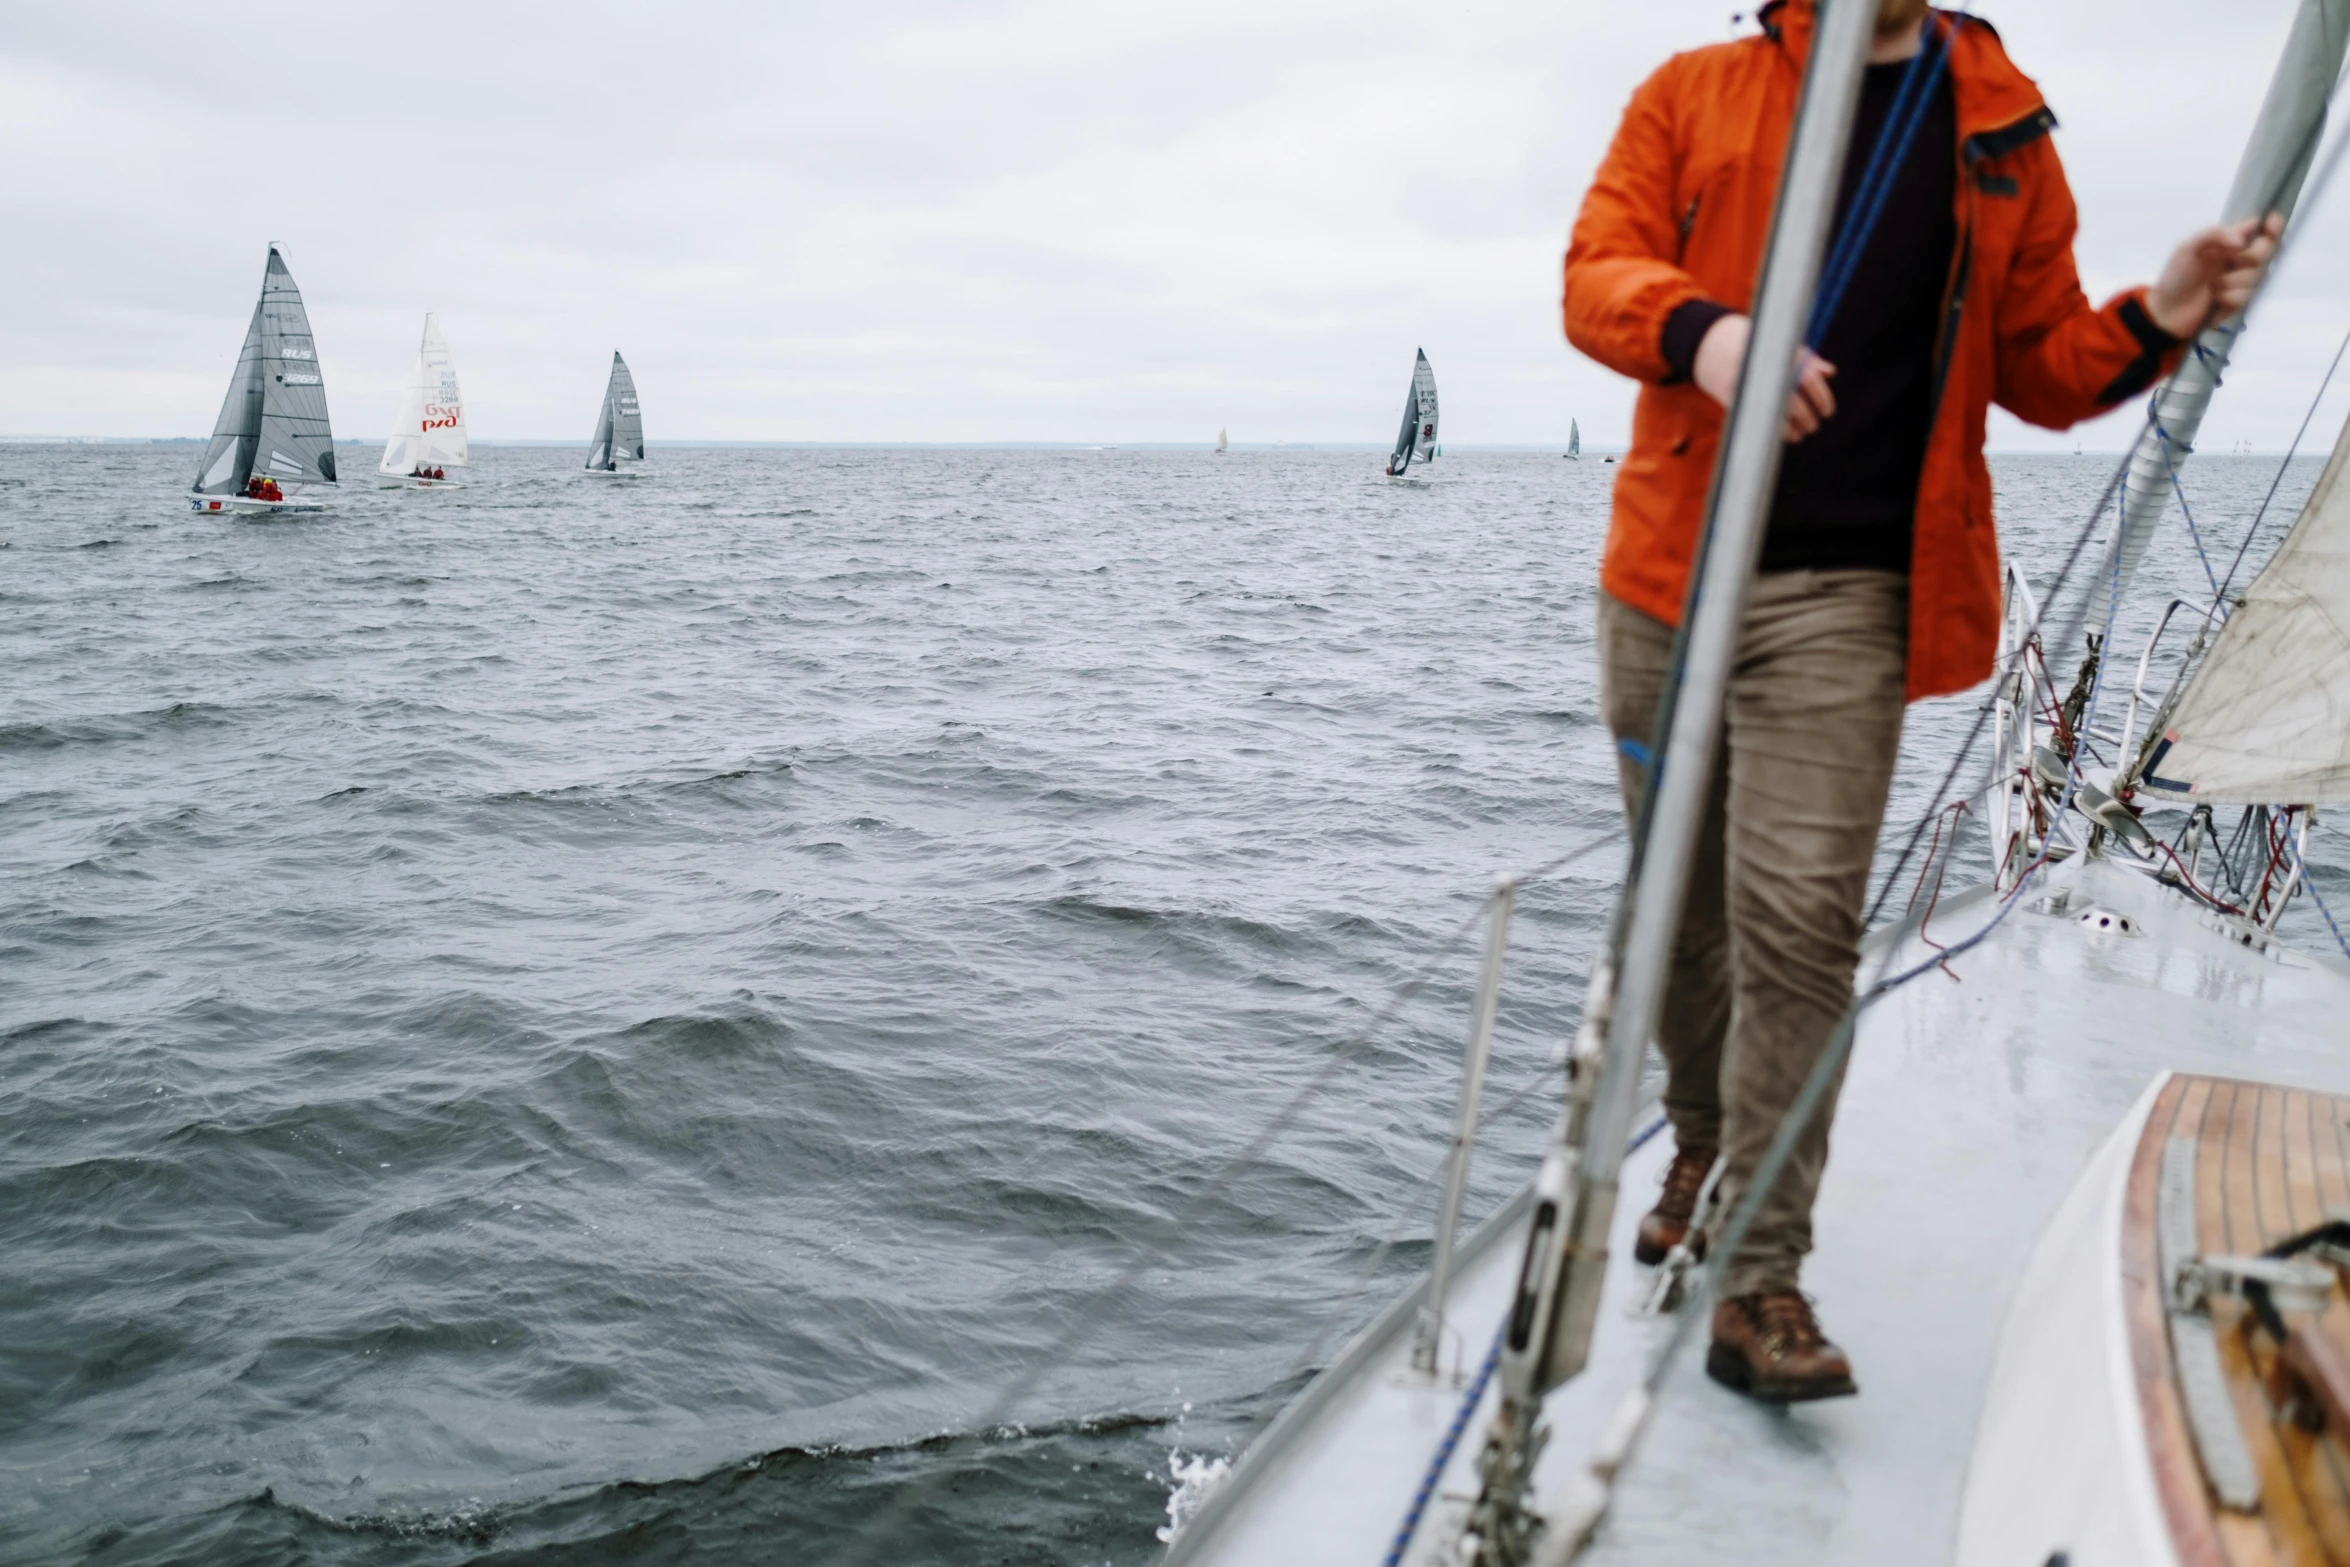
x,y
616,473
1972,1103
2123,1425
422,484
247,506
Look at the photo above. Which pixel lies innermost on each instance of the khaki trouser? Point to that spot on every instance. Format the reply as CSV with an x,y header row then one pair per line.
x,y
1764,963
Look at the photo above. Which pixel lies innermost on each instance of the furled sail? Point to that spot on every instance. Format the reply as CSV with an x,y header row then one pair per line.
x,y
273,421
2265,719
620,429
431,431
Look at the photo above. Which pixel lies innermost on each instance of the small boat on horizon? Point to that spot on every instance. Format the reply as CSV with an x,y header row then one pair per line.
x,y
272,441
1223,442
620,429
429,437
1574,441
1417,437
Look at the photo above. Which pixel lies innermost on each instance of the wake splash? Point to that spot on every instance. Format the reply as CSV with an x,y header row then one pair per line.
x,y
1196,1477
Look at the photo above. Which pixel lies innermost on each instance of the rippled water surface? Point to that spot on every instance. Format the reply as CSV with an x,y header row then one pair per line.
x,y
571,1021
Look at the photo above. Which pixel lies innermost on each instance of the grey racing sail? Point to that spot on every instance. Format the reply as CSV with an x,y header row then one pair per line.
x,y
620,429
1417,437
1574,440
1424,392
273,422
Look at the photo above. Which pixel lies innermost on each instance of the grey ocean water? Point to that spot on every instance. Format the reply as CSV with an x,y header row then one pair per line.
x,y
560,1021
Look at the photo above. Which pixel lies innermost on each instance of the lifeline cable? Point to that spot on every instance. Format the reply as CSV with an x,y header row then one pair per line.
x,y
1105,1302
2314,188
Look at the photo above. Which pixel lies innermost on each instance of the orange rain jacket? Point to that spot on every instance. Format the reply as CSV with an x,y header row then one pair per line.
x,y
1681,210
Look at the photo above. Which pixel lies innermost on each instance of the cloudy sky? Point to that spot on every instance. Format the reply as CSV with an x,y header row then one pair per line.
x,y
971,221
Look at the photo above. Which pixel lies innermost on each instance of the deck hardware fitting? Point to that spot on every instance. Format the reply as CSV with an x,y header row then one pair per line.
x,y
2203,1387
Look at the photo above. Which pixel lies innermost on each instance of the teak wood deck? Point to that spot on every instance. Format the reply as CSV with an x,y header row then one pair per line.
x,y
2271,1163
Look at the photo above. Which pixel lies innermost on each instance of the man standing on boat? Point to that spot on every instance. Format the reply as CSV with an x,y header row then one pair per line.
x,y
1880,571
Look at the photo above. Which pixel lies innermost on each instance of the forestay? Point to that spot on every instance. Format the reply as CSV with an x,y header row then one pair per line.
x,y
2265,720
431,431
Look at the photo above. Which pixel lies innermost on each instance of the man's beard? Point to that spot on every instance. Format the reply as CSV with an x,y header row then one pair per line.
x,y
1895,16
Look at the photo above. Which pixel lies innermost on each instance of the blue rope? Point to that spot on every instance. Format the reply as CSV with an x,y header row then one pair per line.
x,y
1641,1139
1469,1402
1911,103
1444,1451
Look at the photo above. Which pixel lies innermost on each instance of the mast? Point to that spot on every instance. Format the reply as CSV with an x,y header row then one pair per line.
x,y
1550,1324
2268,179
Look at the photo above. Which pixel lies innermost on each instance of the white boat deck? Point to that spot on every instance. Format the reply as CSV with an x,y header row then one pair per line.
x,y
1971,1106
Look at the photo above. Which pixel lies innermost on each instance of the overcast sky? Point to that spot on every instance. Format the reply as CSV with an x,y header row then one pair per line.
x,y
975,221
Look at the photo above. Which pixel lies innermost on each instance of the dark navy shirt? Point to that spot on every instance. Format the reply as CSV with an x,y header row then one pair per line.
x,y
1847,493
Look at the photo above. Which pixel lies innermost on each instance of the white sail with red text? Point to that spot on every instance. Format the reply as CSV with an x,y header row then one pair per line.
x,y
431,429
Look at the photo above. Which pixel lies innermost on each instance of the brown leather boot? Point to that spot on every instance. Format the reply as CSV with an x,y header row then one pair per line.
x,y
1769,1346
1668,1222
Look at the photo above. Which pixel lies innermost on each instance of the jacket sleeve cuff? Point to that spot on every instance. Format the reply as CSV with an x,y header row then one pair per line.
x,y
1686,327
2155,346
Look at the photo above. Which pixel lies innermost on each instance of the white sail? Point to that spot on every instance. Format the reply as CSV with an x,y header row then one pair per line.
x,y
1574,439
2265,720
1222,441
431,429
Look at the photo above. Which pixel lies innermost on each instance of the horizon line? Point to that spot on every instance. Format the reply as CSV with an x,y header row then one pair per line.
x,y
692,444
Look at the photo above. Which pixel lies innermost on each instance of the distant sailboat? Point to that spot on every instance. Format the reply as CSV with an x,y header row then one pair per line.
x,y
620,429
1574,441
430,436
272,433
1223,443
1417,437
